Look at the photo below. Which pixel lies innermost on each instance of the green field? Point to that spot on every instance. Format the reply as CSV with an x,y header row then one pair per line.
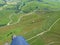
x,y
38,22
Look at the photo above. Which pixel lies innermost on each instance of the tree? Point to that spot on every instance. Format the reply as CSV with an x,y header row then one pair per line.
x,y
5,1
40,0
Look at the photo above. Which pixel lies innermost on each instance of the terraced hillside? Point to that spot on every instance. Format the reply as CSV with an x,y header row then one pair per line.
x,y
37,20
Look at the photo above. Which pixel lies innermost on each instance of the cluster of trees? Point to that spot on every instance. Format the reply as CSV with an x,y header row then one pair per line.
x,y
30,7
21,6
40,0
2,25
6,1
2,5
35,0
26,7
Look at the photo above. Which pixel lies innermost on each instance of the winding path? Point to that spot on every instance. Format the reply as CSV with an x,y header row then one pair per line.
x,y
52,43
10,20
44,31
18,18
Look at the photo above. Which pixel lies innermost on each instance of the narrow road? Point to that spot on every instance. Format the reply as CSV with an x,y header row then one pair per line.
x,y
10,20
19,18
44,31
52,43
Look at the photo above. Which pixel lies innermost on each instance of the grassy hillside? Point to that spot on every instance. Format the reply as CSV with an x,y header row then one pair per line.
x,y
37,20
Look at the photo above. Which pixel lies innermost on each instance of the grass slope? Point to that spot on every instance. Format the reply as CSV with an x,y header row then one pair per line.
x,y
38,21
32,25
